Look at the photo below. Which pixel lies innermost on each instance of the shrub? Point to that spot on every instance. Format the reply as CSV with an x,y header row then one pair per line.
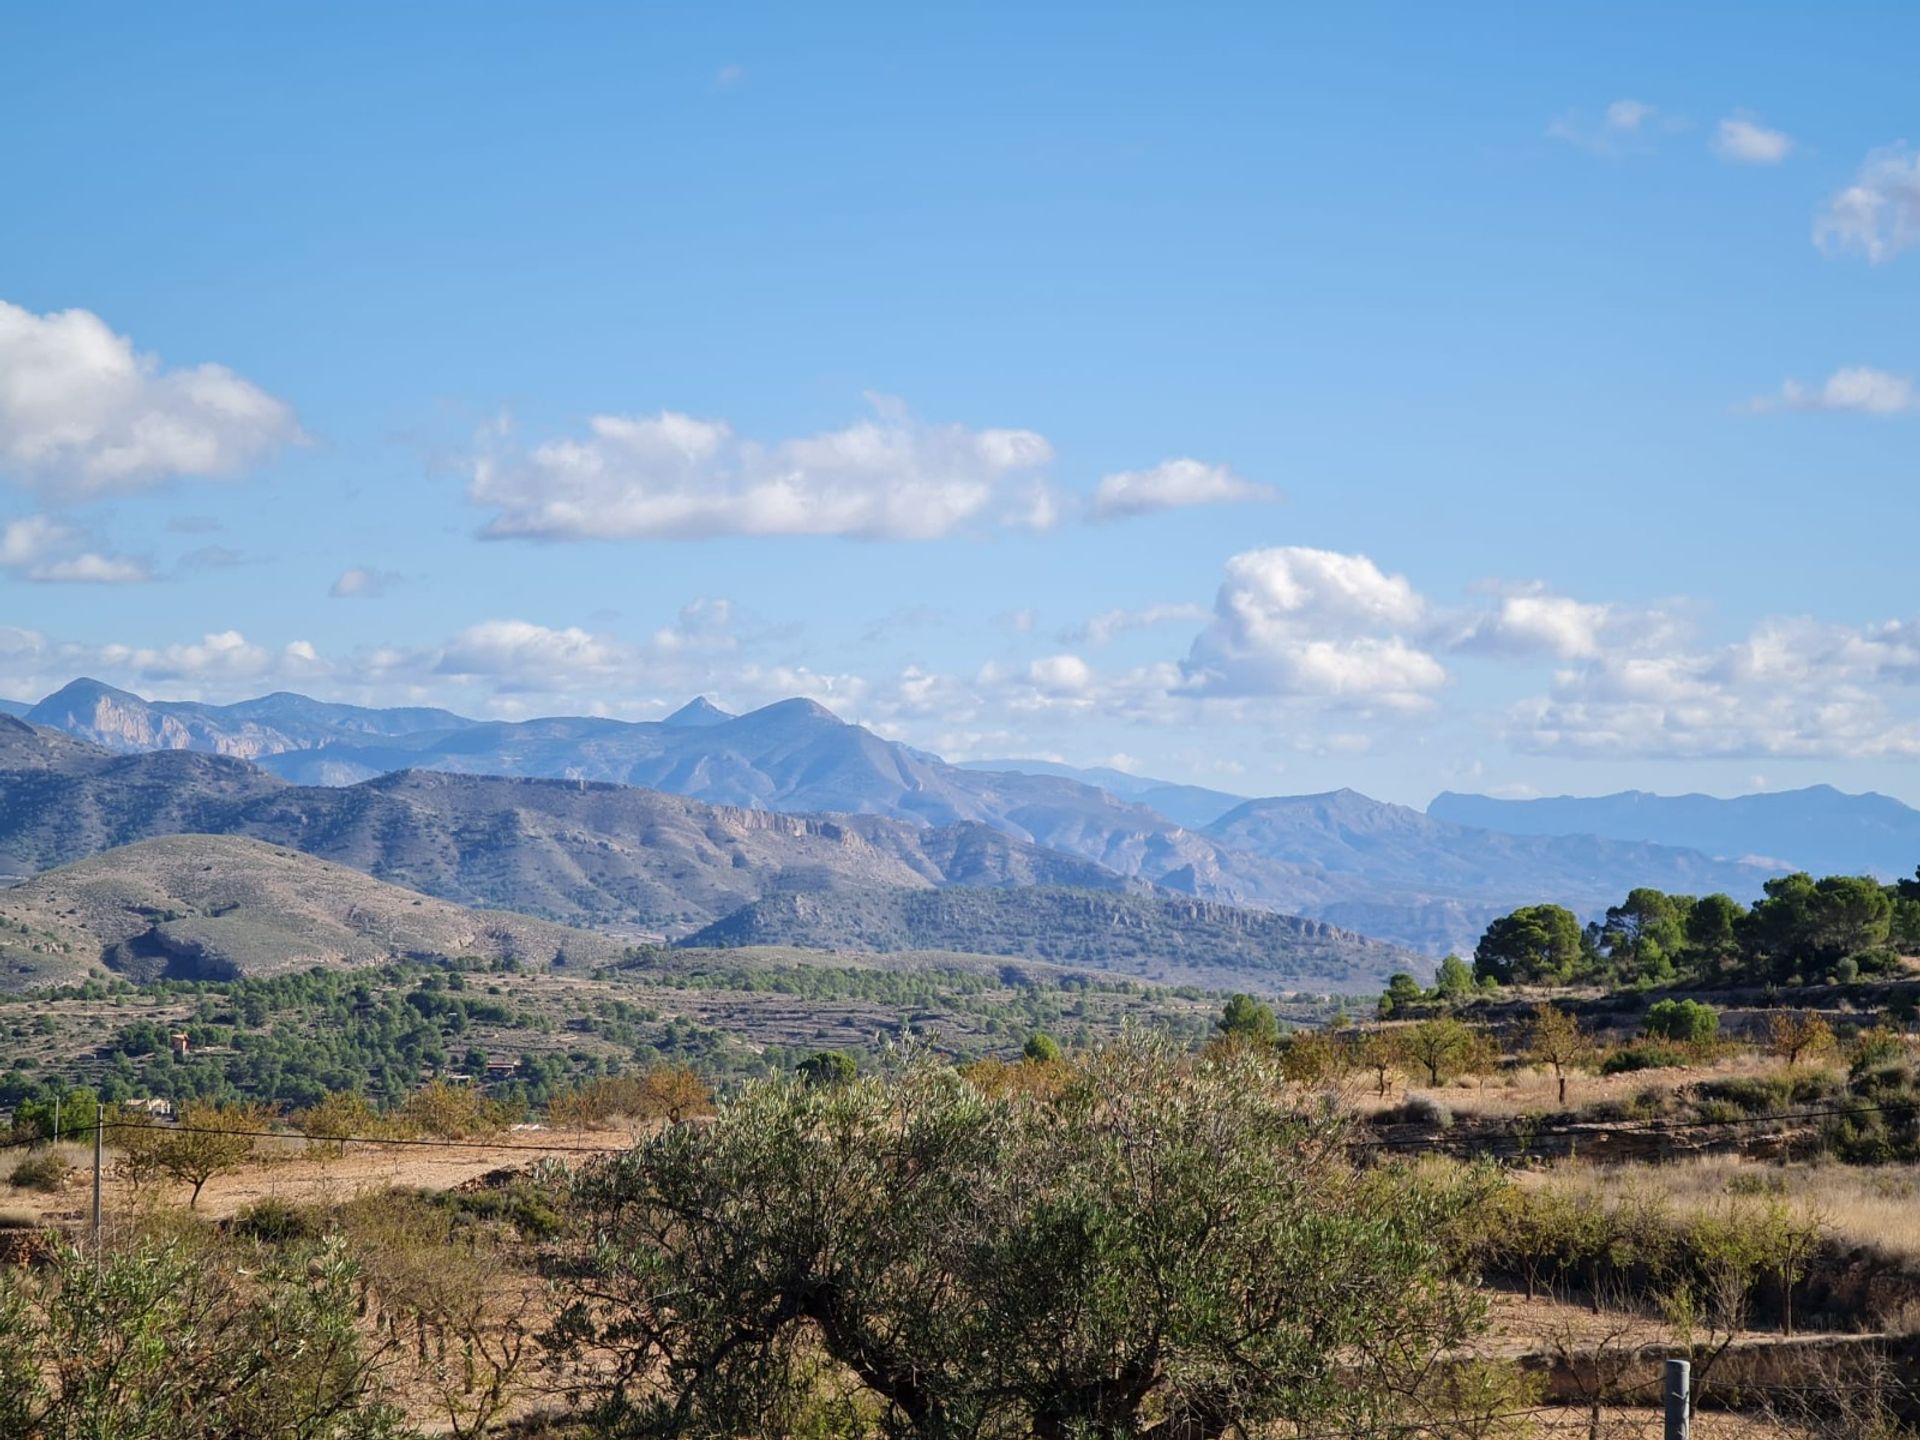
x,y
1416,1110
828,1068
1683,1021
1643,1057
1042,1048
1747,1094
44,1171
275,1222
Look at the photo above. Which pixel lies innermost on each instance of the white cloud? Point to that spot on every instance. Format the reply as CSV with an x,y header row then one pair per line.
x,y
1747,142
1103,627
1297,621
1536,622
83,414
1628,114
521,655
1879,214
361,583
1620,124
1856,388
675,476
213,661
703,627
91,568
40,548
1791,688
1172,485
1061,675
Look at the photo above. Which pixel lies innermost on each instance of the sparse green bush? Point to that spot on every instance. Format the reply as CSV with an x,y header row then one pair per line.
x,y
1643,1056
44,1170
1686,1022
275,1222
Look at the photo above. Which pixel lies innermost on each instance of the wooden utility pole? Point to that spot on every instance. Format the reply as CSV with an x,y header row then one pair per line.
x,y
99,1126
1674,1392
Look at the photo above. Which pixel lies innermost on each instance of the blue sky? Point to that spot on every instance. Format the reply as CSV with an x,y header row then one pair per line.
x,y
1509,398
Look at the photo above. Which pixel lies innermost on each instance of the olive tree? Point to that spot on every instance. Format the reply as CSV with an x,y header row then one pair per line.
x,y
160,1343
1164,1245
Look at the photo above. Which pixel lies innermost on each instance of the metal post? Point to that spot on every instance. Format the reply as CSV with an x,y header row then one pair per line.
x,y
1674,1392
56,1119
99,1126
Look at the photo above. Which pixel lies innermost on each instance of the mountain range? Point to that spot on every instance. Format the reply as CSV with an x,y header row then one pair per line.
x,y
634,864
1818,829
1420,880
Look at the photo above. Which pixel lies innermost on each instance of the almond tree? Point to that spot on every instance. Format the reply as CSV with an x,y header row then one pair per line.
x,y
1555,1039
1793,1033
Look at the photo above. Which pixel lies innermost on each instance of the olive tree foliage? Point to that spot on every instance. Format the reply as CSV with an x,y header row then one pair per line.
x,y
163,1344
1165,1245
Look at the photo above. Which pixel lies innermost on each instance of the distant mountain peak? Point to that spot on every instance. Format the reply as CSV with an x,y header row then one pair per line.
x,y
86,690
798,708
698,712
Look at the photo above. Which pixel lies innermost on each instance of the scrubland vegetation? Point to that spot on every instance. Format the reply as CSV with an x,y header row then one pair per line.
x,y
1488,1210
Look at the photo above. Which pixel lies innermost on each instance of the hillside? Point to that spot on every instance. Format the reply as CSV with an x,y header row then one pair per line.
x,y
216,907
1386,870
62,799
1818,829
1162,938
569,851
596,854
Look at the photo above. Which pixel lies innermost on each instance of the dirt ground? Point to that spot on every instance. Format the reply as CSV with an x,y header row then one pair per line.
x,y
289,1171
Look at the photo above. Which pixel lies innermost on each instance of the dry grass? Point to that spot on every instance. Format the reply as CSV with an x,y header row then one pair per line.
x,y
1532,1090
1878,1207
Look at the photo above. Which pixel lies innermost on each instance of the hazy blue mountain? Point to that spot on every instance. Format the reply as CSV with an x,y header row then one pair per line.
x,y
643,862
586,853
121,720
1384,870
1189,805
697,712
1462,874
1819,829
15,707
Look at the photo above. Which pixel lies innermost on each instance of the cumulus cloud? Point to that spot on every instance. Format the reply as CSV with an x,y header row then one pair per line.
x,y
1747,142
1878,215
361,583
40,548
1536,622
1792,688
1528,621
522,655
1304,622
675,476
1173,485
1061,675
83,414
1857,388
212,662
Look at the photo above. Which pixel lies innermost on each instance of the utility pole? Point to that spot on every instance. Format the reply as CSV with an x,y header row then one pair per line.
x,y
1675,1394
99,1126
